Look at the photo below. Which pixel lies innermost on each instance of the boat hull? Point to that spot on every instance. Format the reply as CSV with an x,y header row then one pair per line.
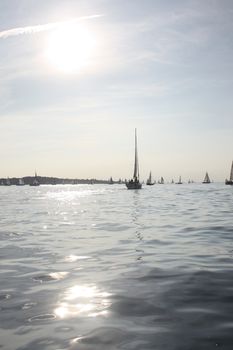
x,y
228,182
133,185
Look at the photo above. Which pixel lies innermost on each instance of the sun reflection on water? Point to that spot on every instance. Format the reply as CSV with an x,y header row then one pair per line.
x,y
73,258
70,193
83,300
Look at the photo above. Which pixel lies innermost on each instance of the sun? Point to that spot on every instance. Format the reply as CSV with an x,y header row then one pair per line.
x,y
70,47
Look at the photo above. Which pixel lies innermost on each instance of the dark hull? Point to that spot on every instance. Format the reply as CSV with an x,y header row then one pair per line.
x,y
133,185
206,182
150,183
229,182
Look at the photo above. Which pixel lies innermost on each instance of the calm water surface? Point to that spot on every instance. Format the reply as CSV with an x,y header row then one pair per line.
x,y
99,267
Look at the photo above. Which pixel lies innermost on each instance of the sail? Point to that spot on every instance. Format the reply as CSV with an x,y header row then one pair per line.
x,y
134,183
149,180
150,177
206,179
231,175
136,167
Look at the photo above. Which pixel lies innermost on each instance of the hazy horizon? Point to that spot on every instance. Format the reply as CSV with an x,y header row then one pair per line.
x,y
78,76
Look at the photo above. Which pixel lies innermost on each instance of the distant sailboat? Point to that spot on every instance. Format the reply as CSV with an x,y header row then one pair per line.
x,y
206,179
230,182
161,181
111,182
134,183
35,182
8,182
179,182
20,183
149,181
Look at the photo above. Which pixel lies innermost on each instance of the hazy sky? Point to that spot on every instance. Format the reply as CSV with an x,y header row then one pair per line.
x,y
76,78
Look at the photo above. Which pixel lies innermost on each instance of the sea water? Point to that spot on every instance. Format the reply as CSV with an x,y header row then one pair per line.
x,y
99,267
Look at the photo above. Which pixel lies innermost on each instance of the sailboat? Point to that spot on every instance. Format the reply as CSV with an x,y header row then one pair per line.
x,y
161,181
134,183
149,181
179,182
206,179
20,183
230,182
8,182
111,182
35,182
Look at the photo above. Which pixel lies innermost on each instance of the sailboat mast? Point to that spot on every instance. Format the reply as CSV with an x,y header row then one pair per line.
x,y
231,175
136,170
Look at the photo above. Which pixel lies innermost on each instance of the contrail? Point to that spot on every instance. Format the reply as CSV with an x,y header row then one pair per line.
x,y
41,27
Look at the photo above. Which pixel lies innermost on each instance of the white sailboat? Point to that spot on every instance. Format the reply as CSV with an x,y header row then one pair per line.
x,y
134,183
206,179
20,183
230,182
149,181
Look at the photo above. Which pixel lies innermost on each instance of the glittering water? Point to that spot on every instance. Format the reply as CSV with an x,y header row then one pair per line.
x,y
99,267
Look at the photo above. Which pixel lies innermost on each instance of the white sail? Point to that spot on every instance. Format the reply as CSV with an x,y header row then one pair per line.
x,y
21,182
149,180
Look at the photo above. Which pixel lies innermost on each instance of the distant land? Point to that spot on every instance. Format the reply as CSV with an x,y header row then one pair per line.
x,y
45,180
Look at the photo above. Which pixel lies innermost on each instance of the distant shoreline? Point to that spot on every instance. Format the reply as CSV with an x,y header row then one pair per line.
x,y
45,180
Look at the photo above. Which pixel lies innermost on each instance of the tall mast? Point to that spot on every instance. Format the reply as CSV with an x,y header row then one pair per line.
x,y
136,170
231,175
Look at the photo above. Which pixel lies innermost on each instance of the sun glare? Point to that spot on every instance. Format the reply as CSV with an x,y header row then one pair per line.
x,y
70,47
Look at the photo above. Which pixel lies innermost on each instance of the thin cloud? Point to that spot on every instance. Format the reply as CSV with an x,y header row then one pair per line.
x,y
41,27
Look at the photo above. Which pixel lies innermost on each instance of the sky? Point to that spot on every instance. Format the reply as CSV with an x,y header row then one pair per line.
x,y
78,76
